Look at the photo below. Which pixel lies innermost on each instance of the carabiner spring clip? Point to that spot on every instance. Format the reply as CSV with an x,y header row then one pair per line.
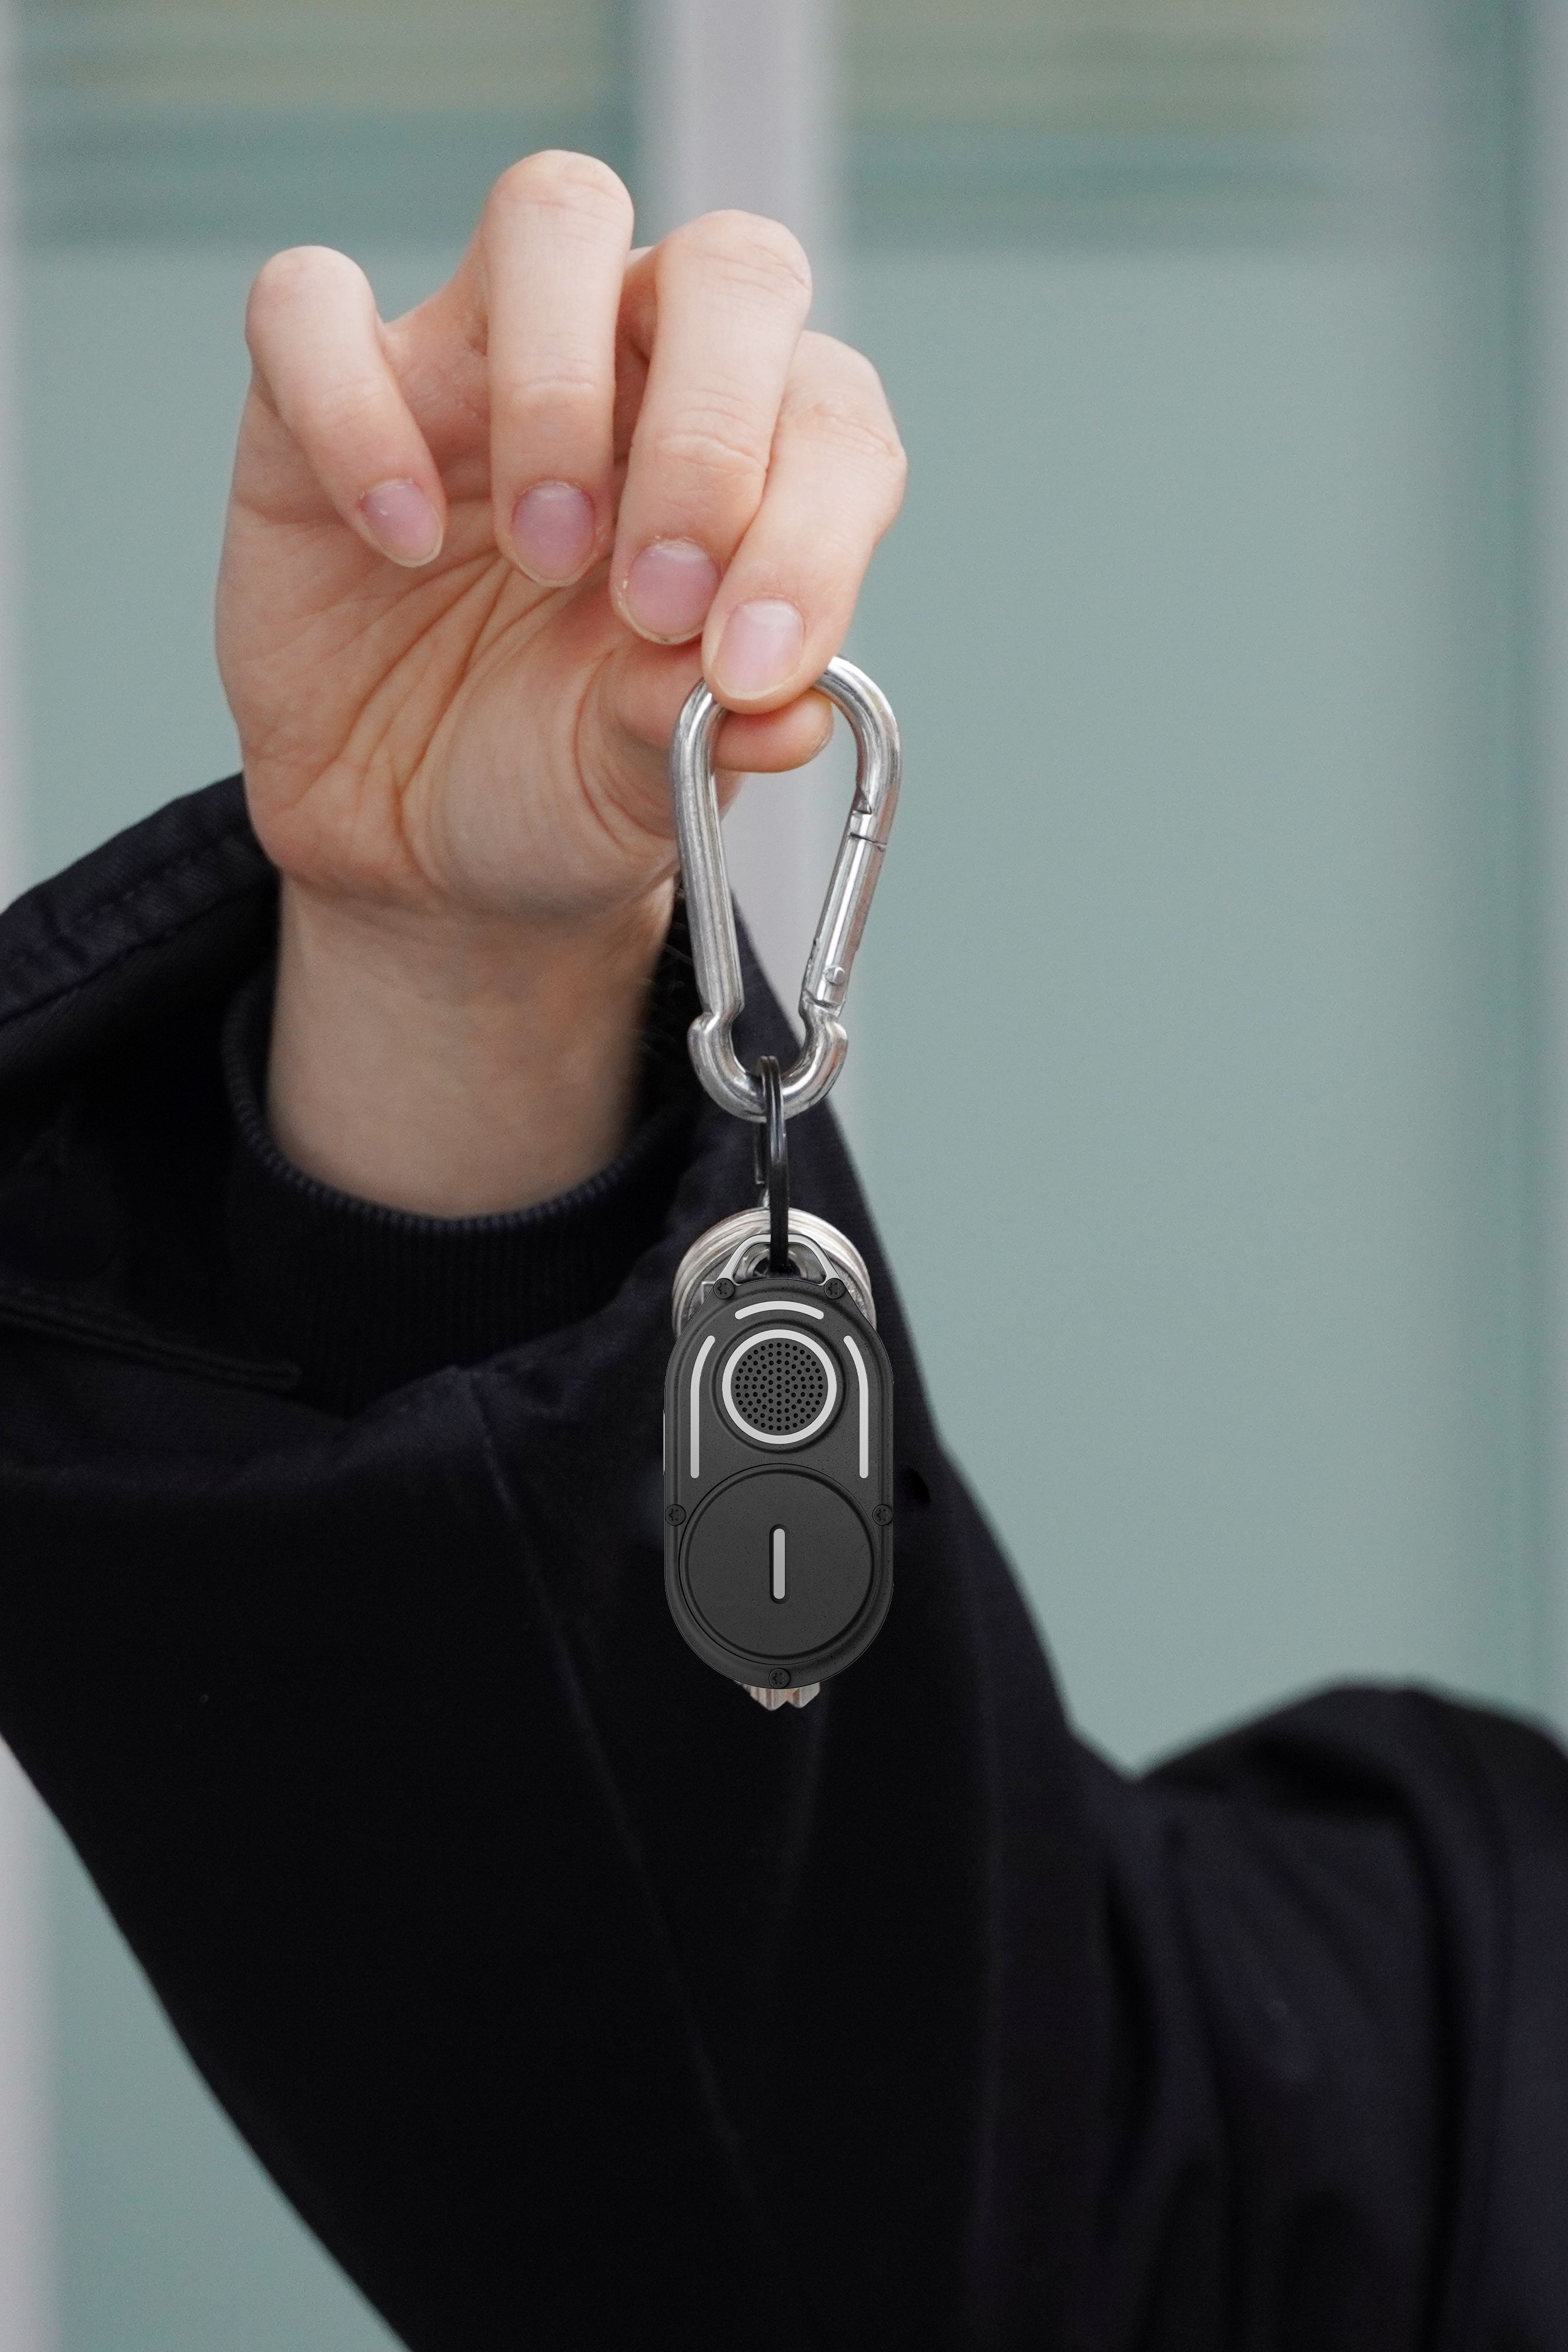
x,y
715,950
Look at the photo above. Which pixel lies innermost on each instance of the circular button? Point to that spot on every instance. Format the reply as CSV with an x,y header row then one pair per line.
x,y
778,1563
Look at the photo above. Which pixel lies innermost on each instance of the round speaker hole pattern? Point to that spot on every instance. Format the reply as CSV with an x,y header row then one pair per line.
x,y
780,1387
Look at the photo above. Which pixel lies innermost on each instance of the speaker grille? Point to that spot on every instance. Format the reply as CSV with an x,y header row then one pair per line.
x,y
779,1387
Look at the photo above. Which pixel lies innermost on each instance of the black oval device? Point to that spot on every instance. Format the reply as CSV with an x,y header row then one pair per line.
x,y
777,1503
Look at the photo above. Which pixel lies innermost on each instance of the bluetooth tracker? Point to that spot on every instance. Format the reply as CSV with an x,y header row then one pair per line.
x,y
778,1511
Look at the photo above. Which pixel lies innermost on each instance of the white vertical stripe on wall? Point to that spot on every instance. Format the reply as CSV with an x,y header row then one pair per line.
x,y
737,107
27,2269
1546,70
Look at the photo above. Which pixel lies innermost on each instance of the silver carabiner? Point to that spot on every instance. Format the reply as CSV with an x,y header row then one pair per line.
x,y
879,766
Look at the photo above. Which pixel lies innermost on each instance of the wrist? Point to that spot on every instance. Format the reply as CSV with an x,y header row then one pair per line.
x,y
456,1066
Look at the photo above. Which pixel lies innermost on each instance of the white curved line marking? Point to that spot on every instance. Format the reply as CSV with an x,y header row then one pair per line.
x,y
865,1404
779,1307
703,1354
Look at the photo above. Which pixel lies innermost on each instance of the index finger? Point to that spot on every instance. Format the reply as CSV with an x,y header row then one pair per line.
x,y
834,484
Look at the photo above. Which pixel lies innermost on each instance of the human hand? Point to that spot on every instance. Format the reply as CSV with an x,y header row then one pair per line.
x,y
475,561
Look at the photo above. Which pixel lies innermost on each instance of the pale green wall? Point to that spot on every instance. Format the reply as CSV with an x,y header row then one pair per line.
x,y
1189,1034
172,2238
133,375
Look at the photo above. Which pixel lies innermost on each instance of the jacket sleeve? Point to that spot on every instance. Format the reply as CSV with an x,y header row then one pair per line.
x,y
574,2000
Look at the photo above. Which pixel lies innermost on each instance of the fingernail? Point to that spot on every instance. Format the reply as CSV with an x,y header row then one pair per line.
x,y
760,646
552,531
401,521
670,588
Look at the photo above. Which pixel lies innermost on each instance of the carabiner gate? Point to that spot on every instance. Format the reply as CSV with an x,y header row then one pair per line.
x,y
711,913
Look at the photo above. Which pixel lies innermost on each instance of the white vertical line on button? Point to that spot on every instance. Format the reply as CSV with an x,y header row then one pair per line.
x,y
779,1565
859,1362
708,1345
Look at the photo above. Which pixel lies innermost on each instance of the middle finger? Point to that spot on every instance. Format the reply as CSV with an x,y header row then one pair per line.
x,y
732,292
555,237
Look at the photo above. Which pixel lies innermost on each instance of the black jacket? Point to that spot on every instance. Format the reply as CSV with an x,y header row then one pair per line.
x,y
574,2000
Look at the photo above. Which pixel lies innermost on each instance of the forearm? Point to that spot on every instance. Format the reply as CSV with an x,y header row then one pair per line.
x,y
456,1067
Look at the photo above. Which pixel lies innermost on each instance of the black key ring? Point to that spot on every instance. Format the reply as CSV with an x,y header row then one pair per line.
x,y
773,1165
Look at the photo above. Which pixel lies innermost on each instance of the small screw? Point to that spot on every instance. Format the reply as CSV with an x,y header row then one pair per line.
x,y
779,1678
835,1289
676,1514
725,1287
883,1515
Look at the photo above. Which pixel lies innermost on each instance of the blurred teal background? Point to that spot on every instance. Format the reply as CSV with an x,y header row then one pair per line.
x,y
1194,1033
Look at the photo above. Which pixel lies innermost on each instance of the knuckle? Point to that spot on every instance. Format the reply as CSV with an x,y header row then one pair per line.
x,y
299,270
857,432
843,405
750,252
716,444
571,400
576,189
285,296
